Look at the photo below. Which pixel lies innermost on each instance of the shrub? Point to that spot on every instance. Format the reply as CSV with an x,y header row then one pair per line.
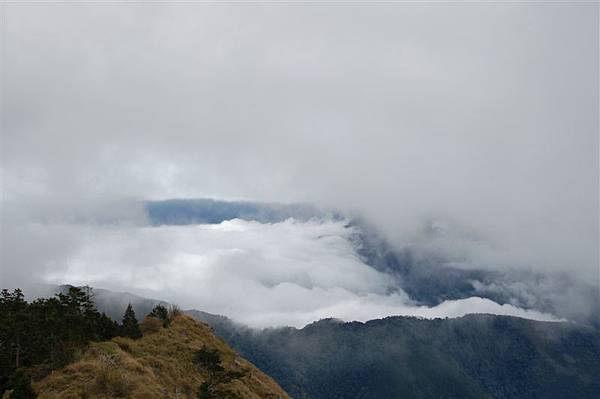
x,y
174,311
208,359
161,313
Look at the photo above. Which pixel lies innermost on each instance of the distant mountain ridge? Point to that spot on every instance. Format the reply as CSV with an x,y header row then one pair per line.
x,y
210,211
475,356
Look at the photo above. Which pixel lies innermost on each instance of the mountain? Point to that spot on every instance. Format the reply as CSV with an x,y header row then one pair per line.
x,y
210,211
162,364
430,279
476,356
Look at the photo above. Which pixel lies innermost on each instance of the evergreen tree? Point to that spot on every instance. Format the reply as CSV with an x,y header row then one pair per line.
x,y
130,327
20,385
41,336
13,329
209,360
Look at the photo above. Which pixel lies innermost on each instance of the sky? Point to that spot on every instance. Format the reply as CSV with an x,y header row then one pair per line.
x,y
479,116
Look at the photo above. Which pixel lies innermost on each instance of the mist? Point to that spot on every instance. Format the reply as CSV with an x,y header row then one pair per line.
x,y
479,118
275,274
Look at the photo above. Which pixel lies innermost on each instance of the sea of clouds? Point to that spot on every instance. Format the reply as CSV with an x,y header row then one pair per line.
x,y
287,273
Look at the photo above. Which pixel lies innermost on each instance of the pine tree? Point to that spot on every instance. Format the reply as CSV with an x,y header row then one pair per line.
x,y
130,327
41,336
88,304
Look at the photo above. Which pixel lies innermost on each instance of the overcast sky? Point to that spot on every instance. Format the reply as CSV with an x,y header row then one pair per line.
x,y
482,115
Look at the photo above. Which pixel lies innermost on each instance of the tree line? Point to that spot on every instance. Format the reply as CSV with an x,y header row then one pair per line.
x,y
44,335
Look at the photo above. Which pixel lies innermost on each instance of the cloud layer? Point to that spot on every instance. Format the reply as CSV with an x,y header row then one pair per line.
x,y
287,273
484,115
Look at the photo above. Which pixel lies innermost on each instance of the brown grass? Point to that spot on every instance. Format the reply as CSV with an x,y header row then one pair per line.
x,y
159,365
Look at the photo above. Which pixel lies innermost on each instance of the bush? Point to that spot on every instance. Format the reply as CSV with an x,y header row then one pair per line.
x,y
208,359
174,311
161,313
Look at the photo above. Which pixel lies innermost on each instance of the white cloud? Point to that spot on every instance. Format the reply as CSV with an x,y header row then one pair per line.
x,y
287,273
485,115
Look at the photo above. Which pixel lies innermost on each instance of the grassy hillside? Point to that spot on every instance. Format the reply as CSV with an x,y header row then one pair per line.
x,y
161,364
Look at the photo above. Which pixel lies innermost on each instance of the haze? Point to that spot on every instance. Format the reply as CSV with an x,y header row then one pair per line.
x,y
481,117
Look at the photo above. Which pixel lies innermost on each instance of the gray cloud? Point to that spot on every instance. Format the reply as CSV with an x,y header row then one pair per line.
x,y
486,115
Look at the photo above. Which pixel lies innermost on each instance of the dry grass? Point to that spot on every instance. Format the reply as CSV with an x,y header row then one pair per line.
x,y
159,365
150,325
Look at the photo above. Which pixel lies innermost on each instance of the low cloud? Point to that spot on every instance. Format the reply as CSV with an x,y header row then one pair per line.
x,y
287,273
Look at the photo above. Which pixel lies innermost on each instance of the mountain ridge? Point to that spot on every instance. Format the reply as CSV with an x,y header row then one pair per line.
x,y
158,365
476,356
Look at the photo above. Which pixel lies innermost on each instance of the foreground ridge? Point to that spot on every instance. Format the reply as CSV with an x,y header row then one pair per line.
x,y
162,364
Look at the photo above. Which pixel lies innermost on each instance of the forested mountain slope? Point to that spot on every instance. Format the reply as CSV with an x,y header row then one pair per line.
x,y
476,356
64,347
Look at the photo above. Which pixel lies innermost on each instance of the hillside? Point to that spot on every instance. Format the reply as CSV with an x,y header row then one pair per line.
x,y
476,356
159,365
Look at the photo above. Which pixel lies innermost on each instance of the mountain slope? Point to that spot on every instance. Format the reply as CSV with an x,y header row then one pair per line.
x,y
159,365
476,356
